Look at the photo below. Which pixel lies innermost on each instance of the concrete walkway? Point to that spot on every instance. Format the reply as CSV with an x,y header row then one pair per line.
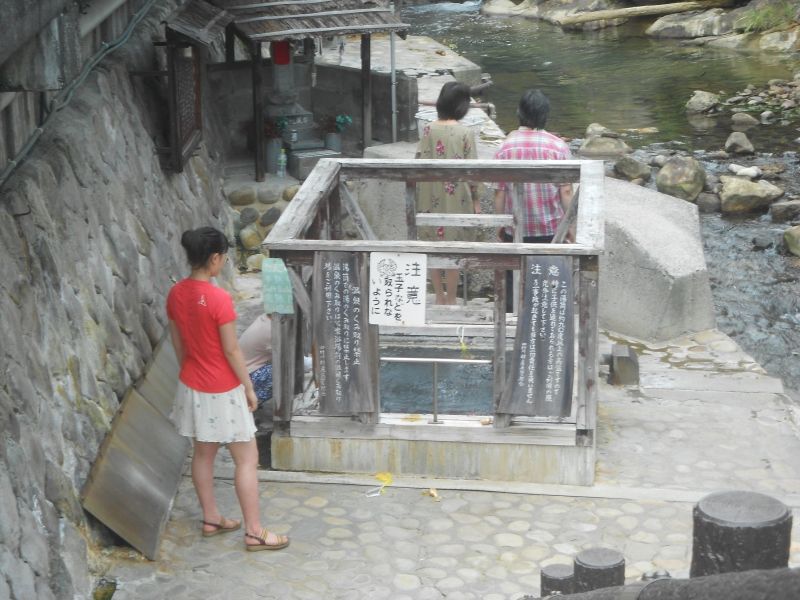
x,y
705,418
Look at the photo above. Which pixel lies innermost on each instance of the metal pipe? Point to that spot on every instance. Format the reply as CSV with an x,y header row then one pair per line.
x,y
435,395
394,85
459,361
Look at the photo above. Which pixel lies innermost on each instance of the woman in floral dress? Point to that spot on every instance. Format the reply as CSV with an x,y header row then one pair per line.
x,y
442,139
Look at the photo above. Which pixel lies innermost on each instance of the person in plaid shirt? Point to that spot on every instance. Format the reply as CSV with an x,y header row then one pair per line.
x,y
545,203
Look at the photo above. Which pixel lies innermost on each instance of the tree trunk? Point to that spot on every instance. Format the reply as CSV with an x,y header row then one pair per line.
x,y
644,11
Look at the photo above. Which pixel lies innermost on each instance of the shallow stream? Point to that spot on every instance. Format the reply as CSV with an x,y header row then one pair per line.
x,y
620,78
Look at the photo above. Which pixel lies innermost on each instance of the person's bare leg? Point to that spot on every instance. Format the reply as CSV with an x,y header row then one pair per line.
x,y
451,284
203,480
438,286
245,480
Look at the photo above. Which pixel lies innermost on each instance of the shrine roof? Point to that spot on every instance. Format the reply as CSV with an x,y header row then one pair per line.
x,y
200,21
268,21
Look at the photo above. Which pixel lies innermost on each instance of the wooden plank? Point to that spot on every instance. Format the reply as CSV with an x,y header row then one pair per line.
x,y
442,248
411,210
272,4
463,220
312,15
300,293
588,366
345,343
590,230
566,221
230,44
642,11
303,208
283,358
366,90
417,428
335,214
355,212
499,378
315,31
258,110
472,262
542,171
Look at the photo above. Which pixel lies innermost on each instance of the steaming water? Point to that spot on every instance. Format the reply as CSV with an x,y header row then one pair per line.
x,y
622,79
616,76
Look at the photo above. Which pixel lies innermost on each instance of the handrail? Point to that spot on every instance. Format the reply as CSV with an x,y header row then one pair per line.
x,y
451,248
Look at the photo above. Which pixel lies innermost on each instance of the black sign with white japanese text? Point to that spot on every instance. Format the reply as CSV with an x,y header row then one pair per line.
x,y
542,366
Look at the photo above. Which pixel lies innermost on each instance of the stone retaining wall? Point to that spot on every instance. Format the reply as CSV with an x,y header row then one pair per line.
x,y
89,234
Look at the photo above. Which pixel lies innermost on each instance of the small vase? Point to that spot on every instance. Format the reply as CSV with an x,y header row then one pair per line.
x,y
333,141
274,146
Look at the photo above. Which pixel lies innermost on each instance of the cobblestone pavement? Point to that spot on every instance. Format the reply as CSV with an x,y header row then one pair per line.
x,y
661,446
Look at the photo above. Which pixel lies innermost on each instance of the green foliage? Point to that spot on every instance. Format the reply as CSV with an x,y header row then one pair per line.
x,y
767,17
343,122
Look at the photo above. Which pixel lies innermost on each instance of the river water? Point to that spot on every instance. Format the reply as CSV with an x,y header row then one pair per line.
x,y
620,78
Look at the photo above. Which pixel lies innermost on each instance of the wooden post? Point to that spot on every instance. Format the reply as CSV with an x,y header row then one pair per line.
x,y
518,208
366,89
411,210
283,358
587,342
258,109
499,380
335,214
174,131
230,44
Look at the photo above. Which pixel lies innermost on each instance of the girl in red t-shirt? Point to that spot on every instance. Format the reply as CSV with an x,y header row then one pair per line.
x,y
215,396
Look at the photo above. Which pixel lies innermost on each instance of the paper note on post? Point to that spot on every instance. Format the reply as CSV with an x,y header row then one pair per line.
x,y
276,287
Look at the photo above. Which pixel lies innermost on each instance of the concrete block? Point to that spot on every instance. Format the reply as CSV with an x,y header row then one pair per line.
x,y
302,162
624,365
653,278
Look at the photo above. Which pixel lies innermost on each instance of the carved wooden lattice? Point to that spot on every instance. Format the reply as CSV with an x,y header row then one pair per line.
x,y
184,103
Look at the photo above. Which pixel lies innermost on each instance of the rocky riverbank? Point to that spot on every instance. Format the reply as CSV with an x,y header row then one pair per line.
x,y
760,25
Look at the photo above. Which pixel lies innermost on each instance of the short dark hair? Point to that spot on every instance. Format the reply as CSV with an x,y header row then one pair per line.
x,y
453,101
533,109
201,243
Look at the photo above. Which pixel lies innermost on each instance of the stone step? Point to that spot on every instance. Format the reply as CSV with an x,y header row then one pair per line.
x,y
310,143
302,162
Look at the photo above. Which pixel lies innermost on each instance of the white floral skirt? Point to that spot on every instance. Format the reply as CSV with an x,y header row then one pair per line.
x,y
222,417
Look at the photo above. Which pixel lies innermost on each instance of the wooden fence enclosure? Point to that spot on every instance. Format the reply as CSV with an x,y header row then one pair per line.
x,y
542,428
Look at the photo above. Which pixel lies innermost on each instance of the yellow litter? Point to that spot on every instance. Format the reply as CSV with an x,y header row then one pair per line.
x,y
433,494
385,478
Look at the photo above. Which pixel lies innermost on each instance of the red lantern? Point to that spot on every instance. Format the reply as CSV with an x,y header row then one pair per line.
x,y
281,52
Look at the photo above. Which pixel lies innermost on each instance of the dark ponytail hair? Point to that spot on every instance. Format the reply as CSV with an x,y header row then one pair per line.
x,y
453,101
201,243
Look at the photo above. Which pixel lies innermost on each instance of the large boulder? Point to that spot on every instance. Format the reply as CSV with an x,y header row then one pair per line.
x,y
740,195
788,210
629,168
603,146
792,238
742,121
702,102
738,143
682,177
654,283
691,24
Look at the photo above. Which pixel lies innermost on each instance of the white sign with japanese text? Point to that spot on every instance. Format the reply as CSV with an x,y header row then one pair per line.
x,y
397,288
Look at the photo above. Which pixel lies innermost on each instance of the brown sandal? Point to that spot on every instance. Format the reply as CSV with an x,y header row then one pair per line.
x,y
220,527
262,542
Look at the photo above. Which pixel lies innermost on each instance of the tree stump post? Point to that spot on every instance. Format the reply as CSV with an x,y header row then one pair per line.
x,y
740,531
597,568
557,578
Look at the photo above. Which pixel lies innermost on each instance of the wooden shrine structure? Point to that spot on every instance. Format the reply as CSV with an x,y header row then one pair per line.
x,y
530,438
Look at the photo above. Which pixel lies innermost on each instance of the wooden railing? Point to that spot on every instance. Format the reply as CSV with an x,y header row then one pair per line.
x,y
311,228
